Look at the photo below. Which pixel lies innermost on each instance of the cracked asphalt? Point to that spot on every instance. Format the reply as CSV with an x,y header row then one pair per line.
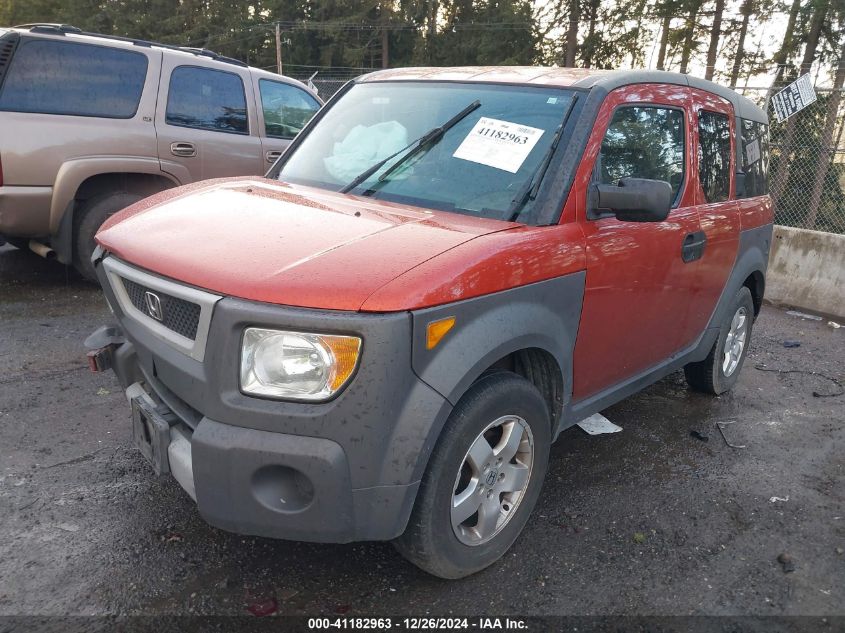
x,y
649,521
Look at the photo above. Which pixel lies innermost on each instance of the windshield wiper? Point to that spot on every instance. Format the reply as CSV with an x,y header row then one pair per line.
x,y
532,187
413,148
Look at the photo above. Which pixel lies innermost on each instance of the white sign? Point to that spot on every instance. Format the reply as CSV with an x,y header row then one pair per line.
x,y
752,152
794,98
498,144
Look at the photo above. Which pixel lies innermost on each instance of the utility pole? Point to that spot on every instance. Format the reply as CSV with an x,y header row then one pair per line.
x,y
385,42
278,49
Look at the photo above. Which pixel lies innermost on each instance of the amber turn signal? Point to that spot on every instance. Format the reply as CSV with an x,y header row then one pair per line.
x,y
436,330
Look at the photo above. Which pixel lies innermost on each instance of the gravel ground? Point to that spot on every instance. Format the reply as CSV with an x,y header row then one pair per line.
x,y
648,521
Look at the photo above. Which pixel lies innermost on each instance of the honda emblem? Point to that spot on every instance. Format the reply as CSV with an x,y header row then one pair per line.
x,y
154,306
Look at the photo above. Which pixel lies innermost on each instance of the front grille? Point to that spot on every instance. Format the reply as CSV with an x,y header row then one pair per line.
x,y
177,314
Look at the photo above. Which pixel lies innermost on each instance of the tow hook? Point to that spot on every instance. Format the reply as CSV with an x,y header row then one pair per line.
x,y
100,360
101,345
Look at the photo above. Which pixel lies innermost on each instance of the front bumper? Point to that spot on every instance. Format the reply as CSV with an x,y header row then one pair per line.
x,y
339,471
276,485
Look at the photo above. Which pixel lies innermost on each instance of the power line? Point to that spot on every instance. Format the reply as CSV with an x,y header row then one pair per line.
x,y
307,25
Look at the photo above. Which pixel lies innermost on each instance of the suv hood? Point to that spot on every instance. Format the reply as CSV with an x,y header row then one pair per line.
x,y
283,244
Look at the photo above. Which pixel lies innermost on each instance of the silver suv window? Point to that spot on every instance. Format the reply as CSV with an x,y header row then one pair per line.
x,y
49,77
286,108
207,99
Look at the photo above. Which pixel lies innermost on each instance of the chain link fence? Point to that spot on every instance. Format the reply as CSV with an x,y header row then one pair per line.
x,y
807,167
326,85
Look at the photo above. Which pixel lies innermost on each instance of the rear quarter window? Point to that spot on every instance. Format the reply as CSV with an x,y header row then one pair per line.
x,y
714,155
47,77
755,158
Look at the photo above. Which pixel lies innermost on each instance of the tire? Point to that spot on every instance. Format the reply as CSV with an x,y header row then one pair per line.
x,y
88,220
509,404
715,374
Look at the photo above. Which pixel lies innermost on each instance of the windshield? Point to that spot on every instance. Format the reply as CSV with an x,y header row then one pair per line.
x,y
480,166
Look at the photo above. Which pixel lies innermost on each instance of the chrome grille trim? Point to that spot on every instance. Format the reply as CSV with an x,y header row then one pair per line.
x,y
116,270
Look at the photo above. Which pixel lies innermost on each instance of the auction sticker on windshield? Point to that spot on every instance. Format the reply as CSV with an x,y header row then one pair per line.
x,y
500,144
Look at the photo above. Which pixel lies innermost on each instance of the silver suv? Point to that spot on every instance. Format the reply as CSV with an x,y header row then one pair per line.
x,y
92,123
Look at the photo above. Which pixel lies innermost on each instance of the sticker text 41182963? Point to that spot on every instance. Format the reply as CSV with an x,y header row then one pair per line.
x,y
500,144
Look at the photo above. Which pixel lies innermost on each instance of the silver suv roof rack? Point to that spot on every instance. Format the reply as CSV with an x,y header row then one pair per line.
x,y
48,28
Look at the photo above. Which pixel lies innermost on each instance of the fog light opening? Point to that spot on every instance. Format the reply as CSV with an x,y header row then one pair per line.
x,y
282,489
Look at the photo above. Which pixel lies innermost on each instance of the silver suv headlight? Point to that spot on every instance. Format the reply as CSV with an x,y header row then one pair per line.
x,y
296,365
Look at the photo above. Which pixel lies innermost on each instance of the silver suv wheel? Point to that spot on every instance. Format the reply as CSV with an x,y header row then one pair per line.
x,y
492,479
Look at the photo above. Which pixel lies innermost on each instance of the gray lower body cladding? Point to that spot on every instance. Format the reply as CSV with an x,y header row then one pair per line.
x,y
358,452
351,465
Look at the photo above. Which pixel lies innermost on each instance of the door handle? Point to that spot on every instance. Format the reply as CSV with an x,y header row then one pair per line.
x,y
186,150
272,156
693,246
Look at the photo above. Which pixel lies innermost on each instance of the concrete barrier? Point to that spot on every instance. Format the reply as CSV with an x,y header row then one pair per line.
x,y
807,270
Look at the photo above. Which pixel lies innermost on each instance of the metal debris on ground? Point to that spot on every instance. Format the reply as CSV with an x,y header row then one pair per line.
x,y
721,426
597,424
804,315
792,344
776,499
834,325
699,435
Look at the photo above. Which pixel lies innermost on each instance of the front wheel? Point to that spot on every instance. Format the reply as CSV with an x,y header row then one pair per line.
x,y
483,479
720,370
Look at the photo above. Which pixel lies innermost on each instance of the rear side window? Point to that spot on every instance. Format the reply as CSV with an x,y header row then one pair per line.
x,y
207,99
755,158
48,77
714,155
643,142
286,108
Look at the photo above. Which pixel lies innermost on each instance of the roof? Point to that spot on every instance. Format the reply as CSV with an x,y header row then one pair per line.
x,y
75,34
585,78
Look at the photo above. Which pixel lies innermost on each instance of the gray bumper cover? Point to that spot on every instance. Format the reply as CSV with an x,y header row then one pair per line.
x,y
352,465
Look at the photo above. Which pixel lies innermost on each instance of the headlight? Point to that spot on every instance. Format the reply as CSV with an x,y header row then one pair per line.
x,y
295,365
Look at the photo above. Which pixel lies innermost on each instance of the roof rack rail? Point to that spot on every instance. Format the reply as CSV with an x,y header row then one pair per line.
x,y
49,27
62,29
207,53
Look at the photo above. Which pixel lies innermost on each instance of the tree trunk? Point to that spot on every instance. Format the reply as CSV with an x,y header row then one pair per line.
x,y
689,35
786,44
589,46
747,9
664,36
715,34
782,174
826,143
572,34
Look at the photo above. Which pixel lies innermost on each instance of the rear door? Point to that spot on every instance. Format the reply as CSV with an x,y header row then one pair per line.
x,y
207,128
716,199
638,286
283,110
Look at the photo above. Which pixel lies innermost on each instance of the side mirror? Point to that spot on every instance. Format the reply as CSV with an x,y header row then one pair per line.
x,y
632,200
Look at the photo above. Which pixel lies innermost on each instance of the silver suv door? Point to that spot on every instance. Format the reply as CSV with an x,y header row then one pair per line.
x,y
206,120
283,110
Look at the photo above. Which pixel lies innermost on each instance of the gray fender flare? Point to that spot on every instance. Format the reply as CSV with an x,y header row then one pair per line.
x,y
542,315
